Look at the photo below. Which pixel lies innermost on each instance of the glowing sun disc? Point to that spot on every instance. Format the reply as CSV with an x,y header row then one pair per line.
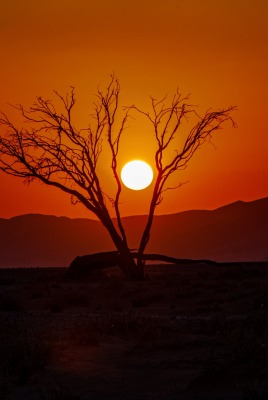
x,y
137,175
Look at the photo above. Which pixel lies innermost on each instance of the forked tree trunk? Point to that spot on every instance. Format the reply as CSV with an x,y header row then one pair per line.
x,y
130,269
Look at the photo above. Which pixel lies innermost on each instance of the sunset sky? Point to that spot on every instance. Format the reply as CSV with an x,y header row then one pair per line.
x,y
215,50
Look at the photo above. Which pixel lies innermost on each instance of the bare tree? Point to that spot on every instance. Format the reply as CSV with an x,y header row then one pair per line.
x,y
58,154
166,122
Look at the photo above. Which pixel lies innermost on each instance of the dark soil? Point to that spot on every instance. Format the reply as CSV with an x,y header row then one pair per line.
x,y
186,332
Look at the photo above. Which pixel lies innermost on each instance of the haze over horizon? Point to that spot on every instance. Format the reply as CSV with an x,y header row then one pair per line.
x,y
215,51
94,218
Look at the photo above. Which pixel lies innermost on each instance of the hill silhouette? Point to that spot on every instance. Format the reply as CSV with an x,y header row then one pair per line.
x,y
235,232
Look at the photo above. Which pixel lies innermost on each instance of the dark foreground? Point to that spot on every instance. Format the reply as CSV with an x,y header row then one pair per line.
x,y
187,332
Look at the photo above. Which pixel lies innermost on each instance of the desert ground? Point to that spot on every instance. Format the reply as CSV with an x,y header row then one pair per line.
x,y
187,332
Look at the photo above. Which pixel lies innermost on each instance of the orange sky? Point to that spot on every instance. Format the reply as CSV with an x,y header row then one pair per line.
x,y
216,50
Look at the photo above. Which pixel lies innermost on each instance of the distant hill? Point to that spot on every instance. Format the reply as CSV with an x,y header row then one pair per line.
x,y
235,232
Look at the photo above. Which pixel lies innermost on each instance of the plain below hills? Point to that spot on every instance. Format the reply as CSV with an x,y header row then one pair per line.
x,y
235,232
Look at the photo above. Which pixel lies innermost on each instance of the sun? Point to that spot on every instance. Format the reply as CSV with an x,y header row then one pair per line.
x,y
137,175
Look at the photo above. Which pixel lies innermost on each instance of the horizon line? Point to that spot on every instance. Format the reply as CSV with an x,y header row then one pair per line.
x,y
134,215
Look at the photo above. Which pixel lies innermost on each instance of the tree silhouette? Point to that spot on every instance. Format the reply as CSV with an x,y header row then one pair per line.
x,y
49,148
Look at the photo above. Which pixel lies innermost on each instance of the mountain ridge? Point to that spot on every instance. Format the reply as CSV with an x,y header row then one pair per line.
x,y
233,232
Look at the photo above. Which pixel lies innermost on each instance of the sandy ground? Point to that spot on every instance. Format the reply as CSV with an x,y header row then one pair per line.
x,y
186,332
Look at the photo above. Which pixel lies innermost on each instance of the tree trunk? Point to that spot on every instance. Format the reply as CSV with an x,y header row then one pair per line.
x,y
129,267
